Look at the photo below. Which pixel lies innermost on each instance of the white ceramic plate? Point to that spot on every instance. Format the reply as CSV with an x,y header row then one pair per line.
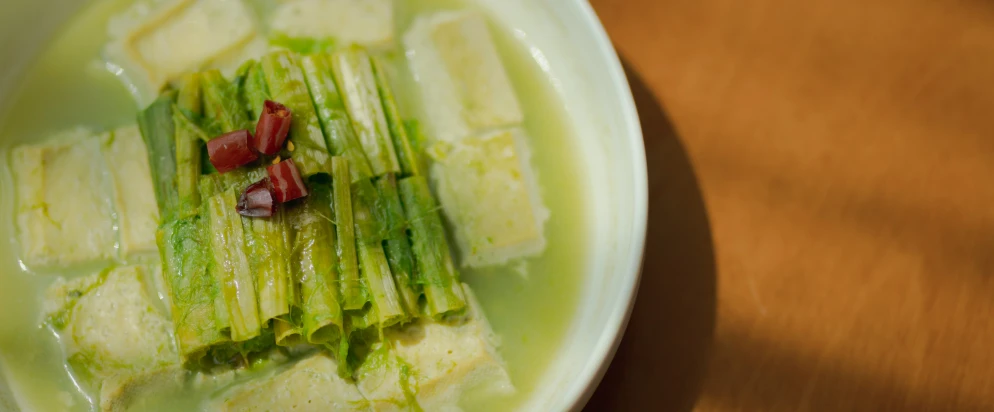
x,y
567,41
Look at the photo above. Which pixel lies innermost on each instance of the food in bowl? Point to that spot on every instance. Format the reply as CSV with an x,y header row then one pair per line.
x,y
317,205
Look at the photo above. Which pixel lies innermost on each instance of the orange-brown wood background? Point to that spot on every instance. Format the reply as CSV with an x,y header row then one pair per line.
x,y
822,205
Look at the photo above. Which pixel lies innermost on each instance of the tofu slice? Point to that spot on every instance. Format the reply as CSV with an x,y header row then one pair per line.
x,y
136,391
490,197
463,83
365,22
178,388
134,197
109,324
173,386
156,41
435,364
64,212
312,384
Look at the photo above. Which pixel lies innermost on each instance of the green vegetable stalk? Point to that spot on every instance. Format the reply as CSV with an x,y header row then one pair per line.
x,y
192,290
190,97
286,84
418,140
338,131
437,274
254,91
158,132
355,79
316,267
188,166
189,145
375,272
231,265
353,296
268,257
398,247
286,330
410,164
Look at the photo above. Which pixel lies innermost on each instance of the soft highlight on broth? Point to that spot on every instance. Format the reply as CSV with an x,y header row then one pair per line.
x,y
529,302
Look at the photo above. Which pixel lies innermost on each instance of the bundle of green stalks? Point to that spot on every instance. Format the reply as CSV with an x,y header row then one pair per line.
x,y
363,251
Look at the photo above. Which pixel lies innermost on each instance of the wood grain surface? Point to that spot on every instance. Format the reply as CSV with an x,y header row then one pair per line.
x,y
822,205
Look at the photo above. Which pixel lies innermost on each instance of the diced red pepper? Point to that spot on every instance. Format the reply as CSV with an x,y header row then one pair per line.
x,y
231,150
273,126
286,181
257,200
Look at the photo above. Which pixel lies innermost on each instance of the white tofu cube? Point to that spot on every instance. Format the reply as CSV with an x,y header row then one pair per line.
x,y
109,324
463,83
64,212
134,196
435,363
365,22
155,42
312,384
134,391
490,196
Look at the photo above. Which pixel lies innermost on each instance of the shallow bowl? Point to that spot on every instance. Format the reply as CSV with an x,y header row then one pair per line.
x,y
566,40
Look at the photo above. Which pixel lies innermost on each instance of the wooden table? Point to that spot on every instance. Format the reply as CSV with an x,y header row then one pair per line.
x,y
822,205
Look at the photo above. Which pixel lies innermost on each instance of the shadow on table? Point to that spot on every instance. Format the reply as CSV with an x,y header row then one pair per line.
x,y
661,361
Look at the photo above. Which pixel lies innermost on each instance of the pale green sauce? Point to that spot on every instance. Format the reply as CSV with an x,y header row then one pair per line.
x,y
67,86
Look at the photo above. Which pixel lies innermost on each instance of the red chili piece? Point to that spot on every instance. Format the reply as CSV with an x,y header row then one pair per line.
x,y
231,150
257,200
273,126
286,181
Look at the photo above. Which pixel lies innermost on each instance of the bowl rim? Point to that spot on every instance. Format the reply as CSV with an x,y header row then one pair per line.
x,y
580,391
